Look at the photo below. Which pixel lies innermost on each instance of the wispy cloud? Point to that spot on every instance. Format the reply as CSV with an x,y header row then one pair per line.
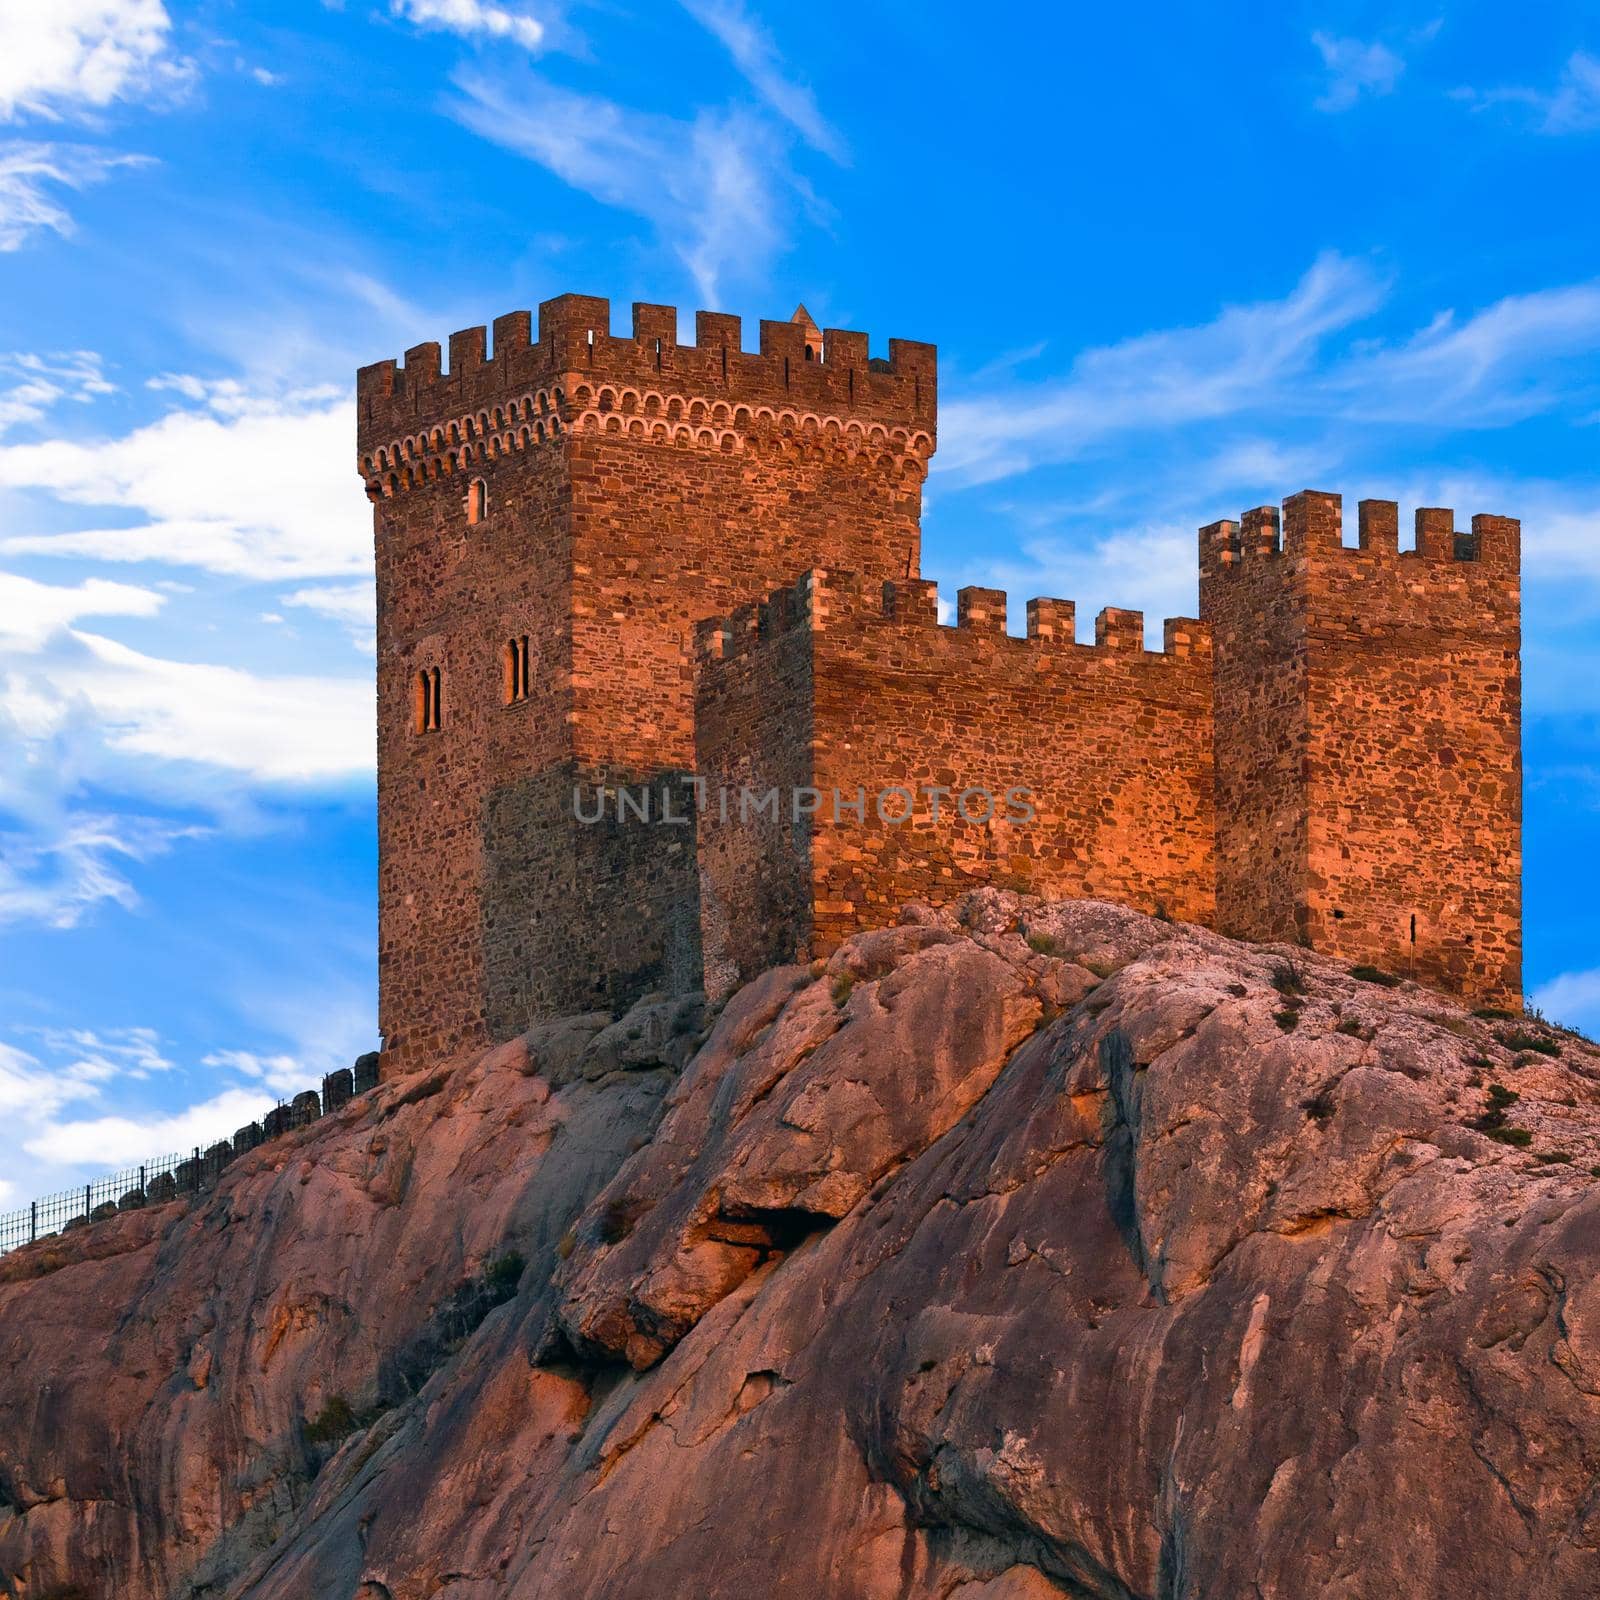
x,y
1230,366
32,173
269,729
254,485
281,1074
758,58
1513,359
1279,362
113,1141
70,57
31,612
718,188
1573,999
352,605
475,18
1355,68
31,385
1572,106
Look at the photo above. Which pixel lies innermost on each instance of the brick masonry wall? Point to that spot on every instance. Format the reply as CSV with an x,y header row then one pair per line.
x,y
605,496
1406,762
1112,741
754,733
633,488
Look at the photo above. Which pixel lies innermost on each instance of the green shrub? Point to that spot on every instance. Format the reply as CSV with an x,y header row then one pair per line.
x,y
1376,975
1353,1028
1287,1020
334,1422
1520,1137
1320,1106
503,1274
1518,1041
842,985
1288,979
1495,1014
1042,944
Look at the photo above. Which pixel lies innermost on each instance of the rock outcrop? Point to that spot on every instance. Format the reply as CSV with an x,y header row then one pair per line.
x,y
1020,1250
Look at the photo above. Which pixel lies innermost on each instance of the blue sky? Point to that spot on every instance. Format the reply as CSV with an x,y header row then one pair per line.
x,y
1177,263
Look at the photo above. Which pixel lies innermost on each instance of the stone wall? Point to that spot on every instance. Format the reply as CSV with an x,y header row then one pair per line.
x,y
556,520
1376,812
960,731
599,497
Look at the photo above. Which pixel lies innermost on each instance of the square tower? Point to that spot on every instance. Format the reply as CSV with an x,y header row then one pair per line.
x,y
551,522
1368,739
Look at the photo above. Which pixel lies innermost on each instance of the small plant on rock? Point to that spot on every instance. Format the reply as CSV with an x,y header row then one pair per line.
x,y
1320,1106
1042,944
1288,978
1517,1040
334,1422
1369,974
1492,1122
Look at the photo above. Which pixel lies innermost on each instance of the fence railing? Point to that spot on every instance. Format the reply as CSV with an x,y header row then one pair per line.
x,y
165,1178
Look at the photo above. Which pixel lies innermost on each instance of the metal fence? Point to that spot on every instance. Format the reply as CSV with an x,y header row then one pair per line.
x,y
167,1177
52,1213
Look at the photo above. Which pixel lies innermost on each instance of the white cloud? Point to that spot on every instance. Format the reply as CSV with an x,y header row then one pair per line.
x,y
250,485
470,18
71,56
353,605
758,59
269,729
31,612
113,1141
1496,366
1573,106
1521,356
31,1090
55,878
282,1074
1572,999
1355,68
718,189
31,172
1237,363
35,383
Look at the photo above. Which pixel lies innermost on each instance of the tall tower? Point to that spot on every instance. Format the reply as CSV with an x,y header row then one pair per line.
x,y
1367,705
551,522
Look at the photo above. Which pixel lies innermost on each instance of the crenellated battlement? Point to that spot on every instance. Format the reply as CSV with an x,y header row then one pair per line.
x,y
576,364
616,561
1311,524
828,601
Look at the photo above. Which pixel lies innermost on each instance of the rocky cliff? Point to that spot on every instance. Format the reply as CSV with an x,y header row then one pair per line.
x,y
1023,1250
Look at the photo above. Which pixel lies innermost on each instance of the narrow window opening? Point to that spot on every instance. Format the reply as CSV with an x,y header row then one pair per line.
x,y
811,354
591,338
514,661
428,701
1413,930
477,500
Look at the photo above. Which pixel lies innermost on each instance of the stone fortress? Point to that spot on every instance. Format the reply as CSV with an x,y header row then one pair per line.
x,y
617,574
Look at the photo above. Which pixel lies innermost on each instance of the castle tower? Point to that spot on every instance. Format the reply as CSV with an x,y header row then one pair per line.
x,y
1368,739
552,520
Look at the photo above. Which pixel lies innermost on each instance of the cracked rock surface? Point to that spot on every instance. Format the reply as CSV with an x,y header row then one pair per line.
x,y
1020,1250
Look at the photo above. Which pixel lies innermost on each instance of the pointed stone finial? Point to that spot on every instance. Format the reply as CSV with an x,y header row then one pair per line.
x,y
812,331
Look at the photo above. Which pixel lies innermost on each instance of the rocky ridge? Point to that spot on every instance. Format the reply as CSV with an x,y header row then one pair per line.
x,y
1022,1249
